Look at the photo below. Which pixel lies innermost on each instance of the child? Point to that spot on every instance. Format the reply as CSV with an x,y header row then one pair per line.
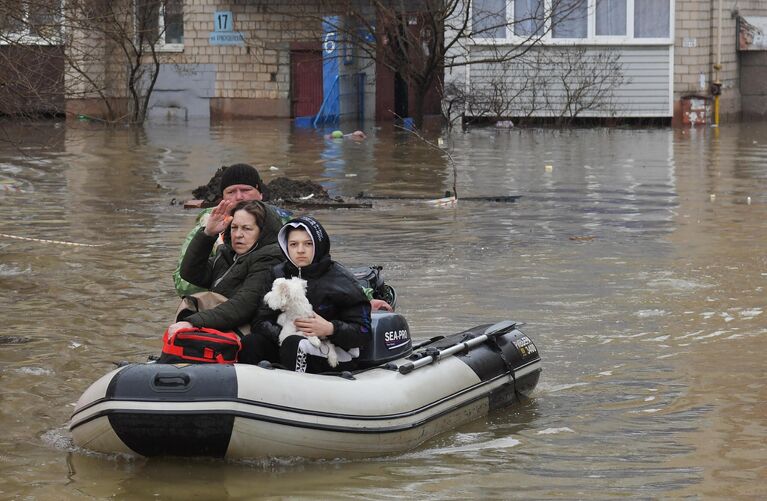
x,y
341,309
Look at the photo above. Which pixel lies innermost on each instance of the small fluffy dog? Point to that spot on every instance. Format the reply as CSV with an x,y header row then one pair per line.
x,y
289,296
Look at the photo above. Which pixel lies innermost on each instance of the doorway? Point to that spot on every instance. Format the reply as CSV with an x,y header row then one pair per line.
x,y
305,79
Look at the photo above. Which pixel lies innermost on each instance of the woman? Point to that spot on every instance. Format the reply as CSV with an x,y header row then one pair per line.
x,y
241,268
341,309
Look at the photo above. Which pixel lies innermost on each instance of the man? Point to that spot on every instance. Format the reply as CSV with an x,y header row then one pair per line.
x,y
239,182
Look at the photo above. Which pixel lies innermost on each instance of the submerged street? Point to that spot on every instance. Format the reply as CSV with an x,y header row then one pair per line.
x,y
637,258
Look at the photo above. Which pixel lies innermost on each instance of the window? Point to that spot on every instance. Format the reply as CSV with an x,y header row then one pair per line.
x,y
651,18
173,21
38,21
161,22
528,17
488,18
572,21
611,18
569,19
11,17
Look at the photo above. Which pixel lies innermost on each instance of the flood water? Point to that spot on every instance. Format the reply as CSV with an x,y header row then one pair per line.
x,y
638,261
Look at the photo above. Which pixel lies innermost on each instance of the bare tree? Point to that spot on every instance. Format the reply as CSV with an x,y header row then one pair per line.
x,y
559,83
454,102
588,81
30,74
499,97
106,53
417,40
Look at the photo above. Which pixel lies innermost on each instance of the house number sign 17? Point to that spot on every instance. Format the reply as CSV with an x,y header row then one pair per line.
x,y
223,30
223,21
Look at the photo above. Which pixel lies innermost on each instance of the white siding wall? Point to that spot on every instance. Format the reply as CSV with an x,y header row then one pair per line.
x,y
635,81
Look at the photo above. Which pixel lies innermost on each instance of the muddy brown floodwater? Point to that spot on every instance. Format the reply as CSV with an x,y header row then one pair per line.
x,y
638,261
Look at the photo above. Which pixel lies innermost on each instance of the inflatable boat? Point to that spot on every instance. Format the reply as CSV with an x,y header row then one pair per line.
x,y
404,395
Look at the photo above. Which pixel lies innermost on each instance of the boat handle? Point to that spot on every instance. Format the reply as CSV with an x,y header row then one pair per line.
x,y
170,380
431,355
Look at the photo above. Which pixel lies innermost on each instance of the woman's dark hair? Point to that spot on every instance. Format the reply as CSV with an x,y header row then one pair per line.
x,y
255,209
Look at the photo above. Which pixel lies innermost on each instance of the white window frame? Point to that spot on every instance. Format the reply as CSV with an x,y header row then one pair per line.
x,y
591,37
160,45
169,47
25,38
490,40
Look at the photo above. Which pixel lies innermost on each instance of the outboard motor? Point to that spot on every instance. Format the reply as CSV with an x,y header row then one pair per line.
x,y
391,340
370,277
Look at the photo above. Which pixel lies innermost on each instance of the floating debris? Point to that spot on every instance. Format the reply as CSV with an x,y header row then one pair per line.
x,y
443,202
14,339
499,198
555,431
13,271
283,188
45,241
11,185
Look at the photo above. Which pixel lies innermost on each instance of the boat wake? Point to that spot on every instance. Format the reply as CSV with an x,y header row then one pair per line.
x,y
60,439
489,445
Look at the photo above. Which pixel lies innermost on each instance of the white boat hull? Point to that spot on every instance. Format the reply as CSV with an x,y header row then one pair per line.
x,y
246,411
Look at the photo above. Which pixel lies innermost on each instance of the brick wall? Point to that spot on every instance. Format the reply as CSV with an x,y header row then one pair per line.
x,y
753,69
96,74
31,79
695,50
252,80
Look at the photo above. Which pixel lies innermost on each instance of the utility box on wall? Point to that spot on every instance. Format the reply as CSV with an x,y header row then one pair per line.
x,y
695,110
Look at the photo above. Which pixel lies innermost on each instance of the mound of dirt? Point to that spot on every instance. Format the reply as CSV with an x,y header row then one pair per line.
x,y
282,188
282,191
210,193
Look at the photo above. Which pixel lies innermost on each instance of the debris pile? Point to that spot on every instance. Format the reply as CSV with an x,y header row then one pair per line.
x,y
282,191
210,193
284,188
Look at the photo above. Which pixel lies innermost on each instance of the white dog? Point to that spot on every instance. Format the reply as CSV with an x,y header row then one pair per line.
x,y
289,296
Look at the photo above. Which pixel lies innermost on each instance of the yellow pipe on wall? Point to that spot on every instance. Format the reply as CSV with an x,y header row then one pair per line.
x,y
716,111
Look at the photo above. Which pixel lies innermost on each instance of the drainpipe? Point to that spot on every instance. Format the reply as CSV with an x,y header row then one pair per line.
x,y
716,88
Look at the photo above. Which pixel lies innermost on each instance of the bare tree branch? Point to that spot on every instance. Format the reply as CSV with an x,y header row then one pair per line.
x,y
419,40
108,51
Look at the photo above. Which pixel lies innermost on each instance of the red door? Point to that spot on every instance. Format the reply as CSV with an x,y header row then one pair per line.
x,y
385,100
306,81
393,95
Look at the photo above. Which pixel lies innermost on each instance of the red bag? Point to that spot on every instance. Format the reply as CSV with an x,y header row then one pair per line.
x,y
200,345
